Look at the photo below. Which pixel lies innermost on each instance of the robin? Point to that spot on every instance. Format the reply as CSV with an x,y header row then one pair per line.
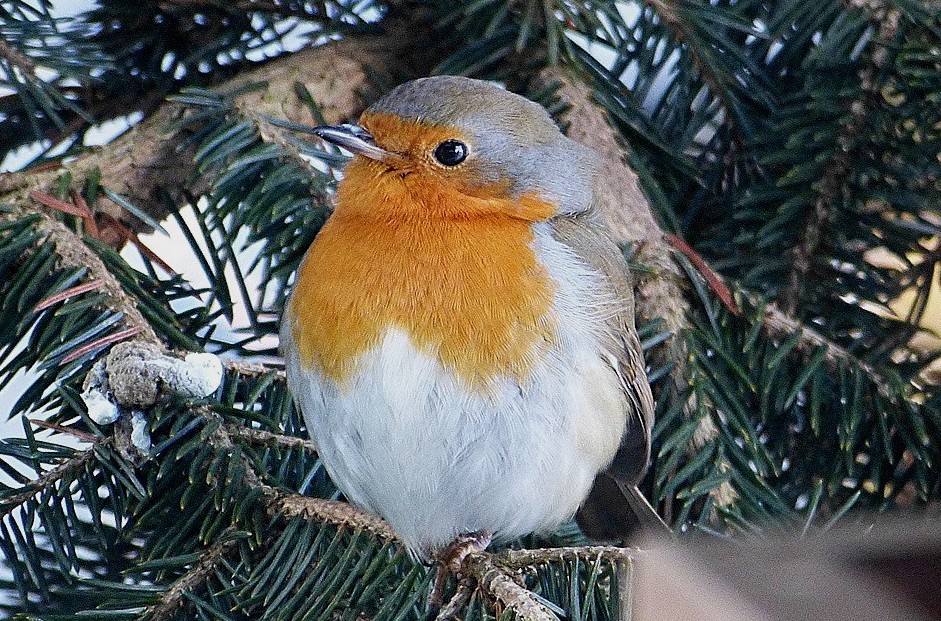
x,y
460,338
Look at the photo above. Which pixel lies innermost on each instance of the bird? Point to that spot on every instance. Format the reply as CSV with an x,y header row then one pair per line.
x,y
460,335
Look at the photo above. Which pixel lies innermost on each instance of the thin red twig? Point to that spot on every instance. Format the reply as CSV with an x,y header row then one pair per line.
x,y
712,279
72,432
59,205
136,240
121,335
79,201
71,291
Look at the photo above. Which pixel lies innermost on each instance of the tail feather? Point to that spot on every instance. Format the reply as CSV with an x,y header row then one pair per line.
x,y
618,511
644,511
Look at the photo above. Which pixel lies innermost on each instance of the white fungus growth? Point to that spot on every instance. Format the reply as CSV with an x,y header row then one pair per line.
x,y
135,375
139,373
100,408
200,375
140,434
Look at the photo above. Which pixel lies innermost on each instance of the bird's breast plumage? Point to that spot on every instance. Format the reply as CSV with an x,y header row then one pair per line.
x,y
468,289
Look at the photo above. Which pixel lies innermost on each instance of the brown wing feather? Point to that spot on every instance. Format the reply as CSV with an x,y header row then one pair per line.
x,y
614,506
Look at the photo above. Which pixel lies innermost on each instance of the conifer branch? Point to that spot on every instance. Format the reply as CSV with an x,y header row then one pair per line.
x,y
147,164
520,559
251,369
499,585
46,481
779,324
279,502
670,16
487,570
455,606
272,7
333,512
831,188
175,597
266,438
74,253
17,59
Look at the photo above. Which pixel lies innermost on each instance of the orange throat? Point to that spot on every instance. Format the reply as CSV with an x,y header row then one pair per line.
x,y
456,273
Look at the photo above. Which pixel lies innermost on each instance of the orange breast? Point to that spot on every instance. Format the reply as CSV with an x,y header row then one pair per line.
x,y
456,273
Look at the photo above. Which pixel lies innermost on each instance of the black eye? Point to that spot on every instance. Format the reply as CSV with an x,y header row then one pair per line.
x,y
451,152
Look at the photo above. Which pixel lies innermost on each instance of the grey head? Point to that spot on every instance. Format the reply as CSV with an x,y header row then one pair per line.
x,y
510,140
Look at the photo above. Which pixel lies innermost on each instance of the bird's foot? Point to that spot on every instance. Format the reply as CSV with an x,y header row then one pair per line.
x,y
448,562
452,557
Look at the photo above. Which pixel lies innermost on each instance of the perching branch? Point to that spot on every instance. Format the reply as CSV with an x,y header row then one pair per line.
x,y
491,573
278,502
498,584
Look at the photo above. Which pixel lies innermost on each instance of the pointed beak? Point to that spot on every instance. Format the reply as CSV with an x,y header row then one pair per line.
x,y
353,138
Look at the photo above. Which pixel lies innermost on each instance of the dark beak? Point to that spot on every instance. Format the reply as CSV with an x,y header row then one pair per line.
x,y
353,138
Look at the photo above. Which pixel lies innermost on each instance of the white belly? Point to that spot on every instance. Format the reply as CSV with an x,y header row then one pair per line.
x,y
406,439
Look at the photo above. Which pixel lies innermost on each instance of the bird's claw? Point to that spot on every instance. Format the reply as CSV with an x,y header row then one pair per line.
x,y
450,560
452,557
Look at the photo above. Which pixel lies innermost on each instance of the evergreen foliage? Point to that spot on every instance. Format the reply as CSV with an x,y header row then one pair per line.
x,y
787,142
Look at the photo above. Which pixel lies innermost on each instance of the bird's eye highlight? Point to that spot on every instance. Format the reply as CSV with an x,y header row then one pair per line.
x,y
451,152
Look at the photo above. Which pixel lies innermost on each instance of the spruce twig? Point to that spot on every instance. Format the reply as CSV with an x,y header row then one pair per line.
x,y
74,253
831,187
520,559
175,597
46,481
